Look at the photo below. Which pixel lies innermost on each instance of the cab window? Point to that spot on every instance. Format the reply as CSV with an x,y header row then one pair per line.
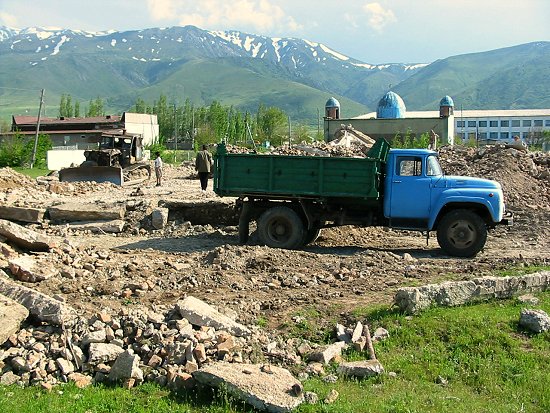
x,y
409,166
432,166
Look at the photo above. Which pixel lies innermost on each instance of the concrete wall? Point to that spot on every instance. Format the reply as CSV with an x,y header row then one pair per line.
x,y
144,124
57,159
388,128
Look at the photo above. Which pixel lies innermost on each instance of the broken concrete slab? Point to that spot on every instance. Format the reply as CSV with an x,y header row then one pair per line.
x,y
41,306
86,212
199,313
103,352
361,368
26,268
325,354
126,367
25,238
536,321
12,314
414,299
113,226
265,387
159,217
22,214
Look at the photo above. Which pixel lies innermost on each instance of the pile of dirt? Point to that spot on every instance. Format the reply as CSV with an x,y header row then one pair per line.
x,y
524,176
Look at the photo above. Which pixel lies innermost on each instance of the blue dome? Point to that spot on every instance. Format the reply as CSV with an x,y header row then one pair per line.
x,y
391,106
332,103
447,101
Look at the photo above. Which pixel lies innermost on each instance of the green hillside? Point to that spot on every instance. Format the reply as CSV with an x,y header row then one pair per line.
x,y
514,77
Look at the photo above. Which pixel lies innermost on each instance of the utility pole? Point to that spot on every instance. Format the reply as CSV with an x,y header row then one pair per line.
x,y
175,131
318,123
289,133
37,128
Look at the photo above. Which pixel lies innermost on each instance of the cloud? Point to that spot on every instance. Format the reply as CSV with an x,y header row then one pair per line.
x,y
378,16
261,15
8,19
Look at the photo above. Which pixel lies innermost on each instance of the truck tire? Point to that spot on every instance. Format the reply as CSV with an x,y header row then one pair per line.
x,y
244,224
311,235
462,233
281,227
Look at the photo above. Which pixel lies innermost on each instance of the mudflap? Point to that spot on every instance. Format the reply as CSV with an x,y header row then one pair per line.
x,y
98,174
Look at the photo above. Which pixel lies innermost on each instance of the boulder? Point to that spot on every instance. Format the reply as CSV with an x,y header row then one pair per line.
x,y
26,268
21,214
86,212
126,366
25,238
159,218
536,321
12,314
199,313
265,387
41,306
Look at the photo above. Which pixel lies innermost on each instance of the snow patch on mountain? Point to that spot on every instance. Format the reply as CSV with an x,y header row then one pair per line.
x,y
58,45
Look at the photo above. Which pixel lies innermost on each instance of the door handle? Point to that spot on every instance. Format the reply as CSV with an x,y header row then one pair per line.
x,y
396,182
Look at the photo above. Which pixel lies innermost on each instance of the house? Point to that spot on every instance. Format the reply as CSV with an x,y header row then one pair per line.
x,y
85,133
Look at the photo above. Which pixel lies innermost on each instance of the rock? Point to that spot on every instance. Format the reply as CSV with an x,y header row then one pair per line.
x,y
12,213
12,314
159,218
9,378
98,336
103,353
65,366
86,212
357,332
25,268
199,313
270,391
380,334
536,321
115,226
311,397
325,354
41,306
80,380
25,238
126,366
528,299
332,396
361,369
414,299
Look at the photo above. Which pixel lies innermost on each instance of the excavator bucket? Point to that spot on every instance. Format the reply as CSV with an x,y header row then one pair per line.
x,y
92,173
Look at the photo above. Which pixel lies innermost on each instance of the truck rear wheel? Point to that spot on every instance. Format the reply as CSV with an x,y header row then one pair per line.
x,y
462,233
281,227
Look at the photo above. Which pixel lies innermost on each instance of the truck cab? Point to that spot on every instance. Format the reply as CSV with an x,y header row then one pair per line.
x,y
419,196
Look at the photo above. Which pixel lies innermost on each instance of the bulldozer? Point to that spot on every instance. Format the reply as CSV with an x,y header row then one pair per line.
x,y
119,159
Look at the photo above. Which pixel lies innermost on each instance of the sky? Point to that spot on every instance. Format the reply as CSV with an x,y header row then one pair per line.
x,y
383,31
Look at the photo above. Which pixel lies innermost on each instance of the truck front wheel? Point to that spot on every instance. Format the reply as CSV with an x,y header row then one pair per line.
x,y
281,227
462,233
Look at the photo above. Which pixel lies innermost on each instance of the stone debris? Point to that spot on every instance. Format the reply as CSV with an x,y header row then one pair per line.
x,y
28,269
86,212
269,389
12,314
115,226
41,306
325,354
361,369
536,321
25,238
200,313
453,293
14,213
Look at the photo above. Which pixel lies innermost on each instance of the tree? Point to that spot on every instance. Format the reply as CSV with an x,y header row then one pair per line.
x,y
95,108
269,121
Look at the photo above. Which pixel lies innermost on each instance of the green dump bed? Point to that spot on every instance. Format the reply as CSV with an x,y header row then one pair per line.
x,y
299,176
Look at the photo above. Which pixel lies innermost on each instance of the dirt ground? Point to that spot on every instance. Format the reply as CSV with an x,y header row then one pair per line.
x,y
345,268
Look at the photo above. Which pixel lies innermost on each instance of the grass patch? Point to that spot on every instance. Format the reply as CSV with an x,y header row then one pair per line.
x,y
33,173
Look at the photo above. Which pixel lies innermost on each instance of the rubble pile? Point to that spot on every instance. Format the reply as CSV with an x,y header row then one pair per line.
x,y
524,176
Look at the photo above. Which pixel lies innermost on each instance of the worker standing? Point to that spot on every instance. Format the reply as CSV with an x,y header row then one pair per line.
x,y
203,165
158,168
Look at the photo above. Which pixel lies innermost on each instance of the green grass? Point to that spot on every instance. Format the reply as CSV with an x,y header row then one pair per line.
x,y
33,173
490,364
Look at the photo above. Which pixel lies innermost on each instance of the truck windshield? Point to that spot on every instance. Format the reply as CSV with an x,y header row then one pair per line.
x,y
433,167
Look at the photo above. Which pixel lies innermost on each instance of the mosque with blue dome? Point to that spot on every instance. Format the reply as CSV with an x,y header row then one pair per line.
x,y
391,118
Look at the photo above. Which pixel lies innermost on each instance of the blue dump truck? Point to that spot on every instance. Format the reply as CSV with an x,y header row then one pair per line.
x,y
293,197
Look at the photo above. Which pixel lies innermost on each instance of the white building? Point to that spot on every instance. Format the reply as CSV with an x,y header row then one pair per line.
x,y
502,125
144,124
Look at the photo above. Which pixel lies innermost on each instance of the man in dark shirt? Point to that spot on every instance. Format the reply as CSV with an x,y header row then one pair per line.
x,y
203,165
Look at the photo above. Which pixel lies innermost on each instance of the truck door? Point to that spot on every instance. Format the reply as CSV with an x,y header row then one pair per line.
x,y
409,193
